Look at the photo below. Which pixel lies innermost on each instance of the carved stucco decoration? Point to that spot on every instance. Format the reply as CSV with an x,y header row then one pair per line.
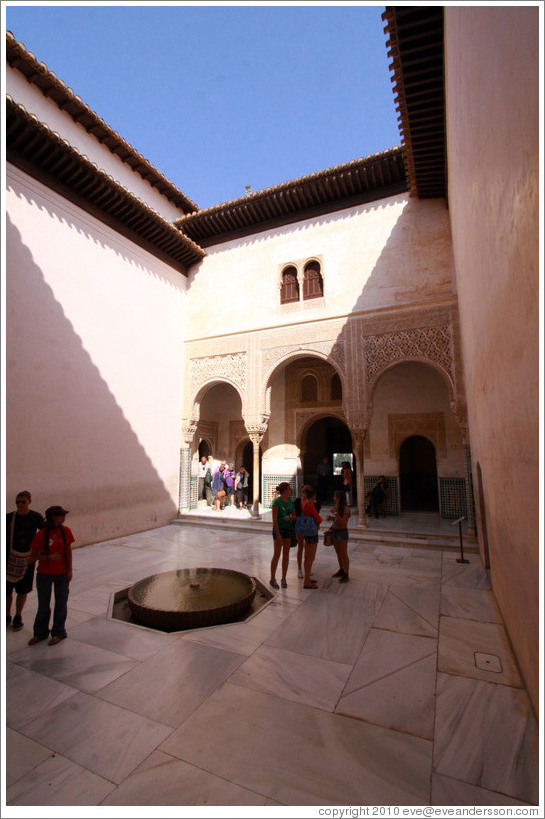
x,y
426,343
231,367
434,344
332,351
239,431
431,425
189,428
208,431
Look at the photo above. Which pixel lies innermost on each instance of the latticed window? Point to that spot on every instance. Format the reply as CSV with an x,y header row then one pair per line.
x,y
313,285
290,286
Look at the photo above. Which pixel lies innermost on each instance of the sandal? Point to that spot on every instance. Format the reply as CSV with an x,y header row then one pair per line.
x,y
313,585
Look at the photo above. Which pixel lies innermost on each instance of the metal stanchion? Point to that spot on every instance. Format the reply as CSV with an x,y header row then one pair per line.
x,y
459,522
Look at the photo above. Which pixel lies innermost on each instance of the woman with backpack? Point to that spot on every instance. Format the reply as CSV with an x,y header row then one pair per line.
x,y
307,524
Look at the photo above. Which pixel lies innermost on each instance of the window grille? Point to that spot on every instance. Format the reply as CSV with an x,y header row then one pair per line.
x,y
313,285
290,286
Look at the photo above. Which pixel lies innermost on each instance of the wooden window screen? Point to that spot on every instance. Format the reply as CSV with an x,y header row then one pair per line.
x,y
290,286
313,285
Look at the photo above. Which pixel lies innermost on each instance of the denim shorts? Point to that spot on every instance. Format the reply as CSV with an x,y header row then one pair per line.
x,y
340,534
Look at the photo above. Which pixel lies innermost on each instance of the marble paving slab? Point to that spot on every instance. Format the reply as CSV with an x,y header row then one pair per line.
x,y
393,683
470,604
486,735
22,756
329,626
244,638
460,640
120,638
299,755
467,576
29,695
447,791
296,677
107,740
58,782
80,665
410,610
165,780
358,586
171,684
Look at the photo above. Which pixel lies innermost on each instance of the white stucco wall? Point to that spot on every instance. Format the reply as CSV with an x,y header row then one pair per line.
x,y
389,253
24,93
492,85
94,367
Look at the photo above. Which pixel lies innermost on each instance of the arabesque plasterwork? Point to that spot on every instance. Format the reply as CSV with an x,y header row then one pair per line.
x,y
428,343
232,367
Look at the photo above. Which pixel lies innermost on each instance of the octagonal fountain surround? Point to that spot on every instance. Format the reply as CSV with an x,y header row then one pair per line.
x,y
191,598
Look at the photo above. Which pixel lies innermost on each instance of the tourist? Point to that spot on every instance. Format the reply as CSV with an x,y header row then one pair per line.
x,y
21,526
219,488
204,490
348,477
283,513
339,515
229,475
311,536
323,471
242,487
378,497
52,548
300,538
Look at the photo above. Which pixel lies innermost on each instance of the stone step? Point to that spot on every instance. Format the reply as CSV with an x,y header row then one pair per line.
x,y
386,537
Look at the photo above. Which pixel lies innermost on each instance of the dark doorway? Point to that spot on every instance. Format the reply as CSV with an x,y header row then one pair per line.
x,y
324,437
204,449
418,475
248,463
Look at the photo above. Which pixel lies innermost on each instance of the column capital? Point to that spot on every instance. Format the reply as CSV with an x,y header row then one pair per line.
x,y
189,428
256,425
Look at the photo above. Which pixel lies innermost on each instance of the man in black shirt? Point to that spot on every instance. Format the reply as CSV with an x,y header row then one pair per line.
x,y
21,527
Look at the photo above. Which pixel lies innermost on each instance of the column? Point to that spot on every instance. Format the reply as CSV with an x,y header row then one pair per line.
x,y
256,438
358,438
184,500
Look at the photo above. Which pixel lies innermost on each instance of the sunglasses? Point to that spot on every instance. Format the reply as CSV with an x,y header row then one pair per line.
x,y
21,502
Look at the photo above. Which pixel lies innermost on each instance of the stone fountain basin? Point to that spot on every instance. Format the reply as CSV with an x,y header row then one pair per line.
x,y
191,598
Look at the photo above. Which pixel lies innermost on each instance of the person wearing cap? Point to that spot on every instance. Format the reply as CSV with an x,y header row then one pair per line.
x,y
52,548
21,525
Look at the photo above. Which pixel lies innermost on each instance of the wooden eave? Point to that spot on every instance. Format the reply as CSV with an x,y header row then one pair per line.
x,y
356,182
38,74
416,38
42,153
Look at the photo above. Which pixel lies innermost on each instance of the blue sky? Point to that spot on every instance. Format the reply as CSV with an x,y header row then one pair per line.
x,y
219,97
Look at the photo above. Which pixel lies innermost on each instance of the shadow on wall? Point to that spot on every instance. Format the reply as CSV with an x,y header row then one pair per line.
x,y
67,439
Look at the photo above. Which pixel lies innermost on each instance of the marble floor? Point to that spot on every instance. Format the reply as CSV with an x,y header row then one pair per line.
x,y
396,688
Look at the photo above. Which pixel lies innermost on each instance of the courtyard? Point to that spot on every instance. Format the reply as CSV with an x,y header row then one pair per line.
x,y
397,688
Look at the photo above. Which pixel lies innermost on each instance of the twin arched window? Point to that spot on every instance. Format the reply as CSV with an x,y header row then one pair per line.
x,y
313,283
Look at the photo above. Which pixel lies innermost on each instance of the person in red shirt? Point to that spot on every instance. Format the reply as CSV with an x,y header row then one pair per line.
x,y
52,548
308,509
